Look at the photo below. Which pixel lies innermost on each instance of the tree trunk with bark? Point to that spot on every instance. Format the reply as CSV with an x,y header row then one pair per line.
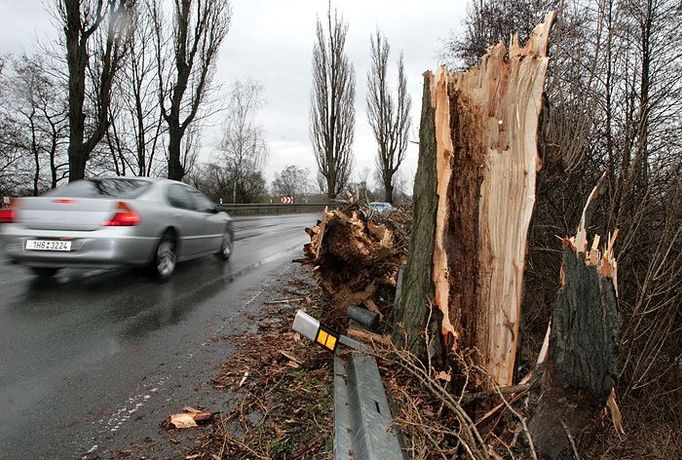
x,y
414,314
176,170
577,369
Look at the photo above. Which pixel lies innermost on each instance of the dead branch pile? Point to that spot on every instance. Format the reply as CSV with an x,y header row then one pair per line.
x,y
353,256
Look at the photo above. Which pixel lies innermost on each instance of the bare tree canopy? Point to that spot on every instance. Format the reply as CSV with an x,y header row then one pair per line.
x,y
38,110
95,35
291,181
187,49
332,109
388,117
217,182
243,148
135,134
489,22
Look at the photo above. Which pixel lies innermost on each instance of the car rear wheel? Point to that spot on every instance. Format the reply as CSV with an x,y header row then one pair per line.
x,y
225,247
165,257
44,272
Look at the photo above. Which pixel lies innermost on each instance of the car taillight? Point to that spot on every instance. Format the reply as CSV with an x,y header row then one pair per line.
x,y
9,215
124,217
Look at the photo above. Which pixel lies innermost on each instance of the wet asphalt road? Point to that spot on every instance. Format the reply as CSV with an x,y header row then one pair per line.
x,y
94,360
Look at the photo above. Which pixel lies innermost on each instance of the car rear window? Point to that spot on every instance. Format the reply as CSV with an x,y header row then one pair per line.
x,y
102,188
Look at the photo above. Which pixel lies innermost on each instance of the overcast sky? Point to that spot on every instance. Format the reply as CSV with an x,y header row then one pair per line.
x,y
272,41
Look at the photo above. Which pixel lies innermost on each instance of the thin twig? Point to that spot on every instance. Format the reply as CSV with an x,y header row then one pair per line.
x,y
523,423
570,439
475,441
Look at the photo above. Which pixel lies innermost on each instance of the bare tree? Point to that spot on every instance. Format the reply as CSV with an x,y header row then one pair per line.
x,y
187,49
291,181
243,148
40,109
11,159
134,137
332,110
389,117
100,59
215,180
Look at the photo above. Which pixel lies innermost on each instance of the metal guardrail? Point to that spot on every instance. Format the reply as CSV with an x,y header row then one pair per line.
x,y
228,206
274,208
362,415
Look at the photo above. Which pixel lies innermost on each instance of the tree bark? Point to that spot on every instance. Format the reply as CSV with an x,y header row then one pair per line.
x,y
415,314
176,171
580,370
388,193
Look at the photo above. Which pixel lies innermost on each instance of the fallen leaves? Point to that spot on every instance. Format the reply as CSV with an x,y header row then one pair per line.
x,y
189,417
444,376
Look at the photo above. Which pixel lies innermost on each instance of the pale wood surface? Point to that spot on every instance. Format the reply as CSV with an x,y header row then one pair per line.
x,y
486,125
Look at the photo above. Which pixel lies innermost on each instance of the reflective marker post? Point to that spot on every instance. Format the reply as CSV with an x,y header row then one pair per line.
x,y
311,328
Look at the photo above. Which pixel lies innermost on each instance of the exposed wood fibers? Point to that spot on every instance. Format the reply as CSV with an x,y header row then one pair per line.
x,y
486,122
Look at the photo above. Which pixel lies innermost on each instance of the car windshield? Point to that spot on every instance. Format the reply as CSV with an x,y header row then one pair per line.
x,y
102,188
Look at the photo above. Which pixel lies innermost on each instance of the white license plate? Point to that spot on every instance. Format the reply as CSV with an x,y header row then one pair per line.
x,y
48,245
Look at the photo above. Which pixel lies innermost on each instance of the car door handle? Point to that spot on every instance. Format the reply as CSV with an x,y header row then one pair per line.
x,y
177,216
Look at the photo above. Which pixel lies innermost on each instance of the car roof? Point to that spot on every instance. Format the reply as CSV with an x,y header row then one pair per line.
x,y
144,178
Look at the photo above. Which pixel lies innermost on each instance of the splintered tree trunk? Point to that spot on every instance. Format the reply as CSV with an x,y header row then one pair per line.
x,y
474,197
481,170
580,368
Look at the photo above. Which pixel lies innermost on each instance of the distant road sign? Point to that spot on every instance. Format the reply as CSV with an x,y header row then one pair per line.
x,y
287,200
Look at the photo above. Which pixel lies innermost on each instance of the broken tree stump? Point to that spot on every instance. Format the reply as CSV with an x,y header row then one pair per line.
x,y
474,198
485,126
580,366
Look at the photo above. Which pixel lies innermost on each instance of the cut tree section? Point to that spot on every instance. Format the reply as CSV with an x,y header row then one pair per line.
x,y
486,126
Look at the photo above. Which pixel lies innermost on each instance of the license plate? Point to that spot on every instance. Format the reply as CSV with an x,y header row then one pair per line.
x,y
48,245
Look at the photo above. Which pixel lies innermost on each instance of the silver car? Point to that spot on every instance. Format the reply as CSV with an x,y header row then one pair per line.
x,y
381,206
118,221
